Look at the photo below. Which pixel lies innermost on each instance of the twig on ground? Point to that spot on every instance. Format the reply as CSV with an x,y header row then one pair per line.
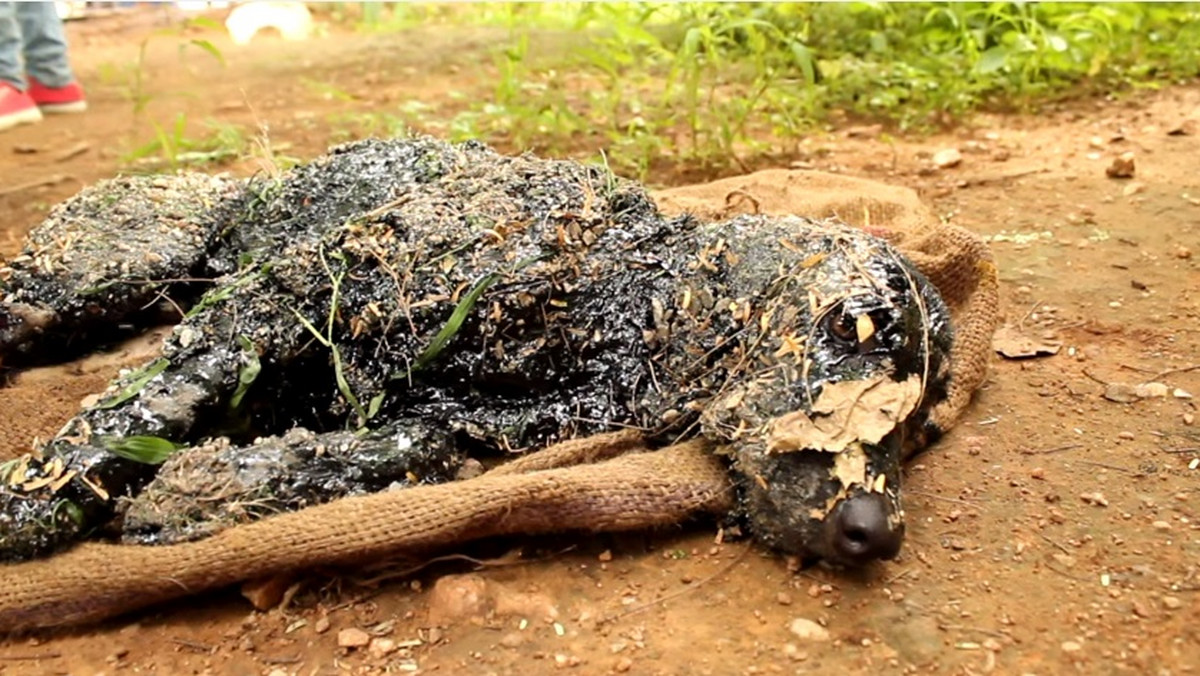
x,y
54,179
1108,466
1065,573
1189,449
1181,369
34,657
1028,313
513,558
1000,178
73,152
1056,544
934,496
1048,451
195,646
979,630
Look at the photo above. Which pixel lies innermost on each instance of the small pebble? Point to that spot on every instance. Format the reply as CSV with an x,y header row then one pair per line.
x,y
808,630
946,158
381,647
561,660
1071,646
1172,603
794,653
353,637
321,625
512,640
783,599
605,555
1161,525
624,664
1121,167
1133,189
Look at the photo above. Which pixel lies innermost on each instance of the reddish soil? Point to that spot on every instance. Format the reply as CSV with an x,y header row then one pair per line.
x,y
1053,531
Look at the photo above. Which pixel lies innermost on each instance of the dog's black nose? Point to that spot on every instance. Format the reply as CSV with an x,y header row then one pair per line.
x,y
862,531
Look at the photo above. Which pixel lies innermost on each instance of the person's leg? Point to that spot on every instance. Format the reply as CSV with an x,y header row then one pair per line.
x,y
16,107
11,70
45,44
52,86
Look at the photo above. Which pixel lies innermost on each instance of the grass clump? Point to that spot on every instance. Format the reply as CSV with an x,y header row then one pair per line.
x,y
707,83
173,147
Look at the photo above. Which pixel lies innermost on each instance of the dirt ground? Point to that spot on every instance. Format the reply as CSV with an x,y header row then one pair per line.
x,y
1054,531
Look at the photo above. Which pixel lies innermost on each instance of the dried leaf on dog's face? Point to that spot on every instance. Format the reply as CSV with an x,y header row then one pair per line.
x,y
853,411
864,327
850,467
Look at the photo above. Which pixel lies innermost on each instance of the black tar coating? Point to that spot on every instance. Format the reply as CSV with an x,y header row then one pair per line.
x,y
508,302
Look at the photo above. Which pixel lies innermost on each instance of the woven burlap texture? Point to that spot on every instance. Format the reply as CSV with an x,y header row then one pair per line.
x,y
603,483
637,490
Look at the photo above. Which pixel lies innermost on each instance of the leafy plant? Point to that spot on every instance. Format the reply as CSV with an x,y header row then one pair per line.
x,y
328,340
248,373
135,382
174,148
144,449
708,84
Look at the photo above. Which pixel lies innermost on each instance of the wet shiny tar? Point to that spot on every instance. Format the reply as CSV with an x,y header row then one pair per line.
x,y
500,304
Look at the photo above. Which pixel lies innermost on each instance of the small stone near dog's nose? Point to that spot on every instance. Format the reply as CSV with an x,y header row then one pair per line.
x,y
862,531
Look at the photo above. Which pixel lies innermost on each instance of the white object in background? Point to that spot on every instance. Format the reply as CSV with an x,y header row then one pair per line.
x,y
70,10
291,19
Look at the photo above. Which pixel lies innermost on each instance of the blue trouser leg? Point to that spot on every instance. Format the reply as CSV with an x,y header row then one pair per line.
x,y
10,47
45,44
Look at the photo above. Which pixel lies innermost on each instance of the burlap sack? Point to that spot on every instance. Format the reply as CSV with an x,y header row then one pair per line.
x,y
600,483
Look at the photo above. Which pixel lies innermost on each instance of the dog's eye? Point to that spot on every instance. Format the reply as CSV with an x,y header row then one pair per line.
x,y
854,331
843,326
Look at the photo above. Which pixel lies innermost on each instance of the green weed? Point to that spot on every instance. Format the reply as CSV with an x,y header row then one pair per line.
x,y
172,147
706,84
247,374
144,449
131,78
135,382
327,339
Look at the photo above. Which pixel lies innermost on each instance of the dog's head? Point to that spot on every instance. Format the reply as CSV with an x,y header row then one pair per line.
x,y
847,349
